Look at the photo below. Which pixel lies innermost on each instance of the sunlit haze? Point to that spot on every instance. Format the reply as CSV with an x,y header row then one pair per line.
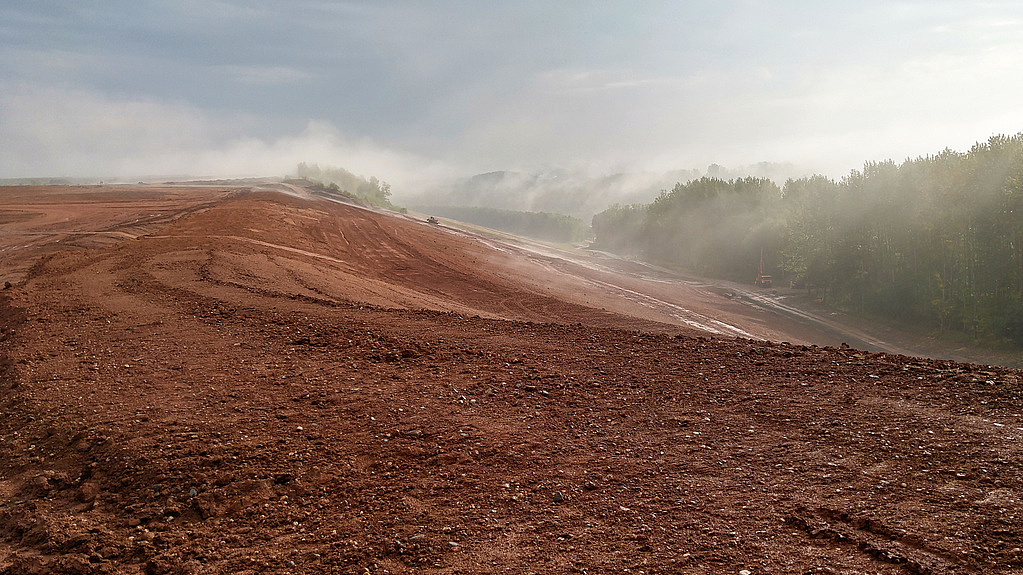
x,y
420,91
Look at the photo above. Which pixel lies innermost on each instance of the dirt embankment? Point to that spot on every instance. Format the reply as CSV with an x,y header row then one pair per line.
x,y
260,383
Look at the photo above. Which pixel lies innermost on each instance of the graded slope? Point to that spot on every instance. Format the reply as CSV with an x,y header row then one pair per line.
x,y
261,383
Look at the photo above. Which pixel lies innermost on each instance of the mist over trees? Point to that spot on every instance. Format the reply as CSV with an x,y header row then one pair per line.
x,y
574,193
558,192
538,225
372,190
935,241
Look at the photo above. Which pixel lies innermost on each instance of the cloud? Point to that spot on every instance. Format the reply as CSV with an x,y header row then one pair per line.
x,y
55,132
61,132
107,87
263,75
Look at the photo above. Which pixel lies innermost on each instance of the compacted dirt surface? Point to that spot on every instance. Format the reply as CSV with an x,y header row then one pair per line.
x,y
212,380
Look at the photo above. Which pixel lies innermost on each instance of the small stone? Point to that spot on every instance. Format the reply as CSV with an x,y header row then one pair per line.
x,y
77,563
193,492
290,563
87,492
745,572
36,485
559,497
452,544
589,486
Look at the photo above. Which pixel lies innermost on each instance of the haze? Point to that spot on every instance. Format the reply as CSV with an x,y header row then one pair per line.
x,y
415,91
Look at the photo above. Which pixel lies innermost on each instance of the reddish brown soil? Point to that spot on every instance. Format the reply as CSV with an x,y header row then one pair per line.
x,y
221,381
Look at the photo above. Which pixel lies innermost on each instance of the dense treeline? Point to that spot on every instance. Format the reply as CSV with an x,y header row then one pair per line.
x,y
539,225
936,241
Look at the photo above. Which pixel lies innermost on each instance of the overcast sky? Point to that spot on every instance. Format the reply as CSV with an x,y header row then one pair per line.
x,y
127,88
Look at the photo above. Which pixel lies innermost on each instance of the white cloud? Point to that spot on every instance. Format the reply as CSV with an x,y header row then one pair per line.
x,y
263,75
228,87
50,132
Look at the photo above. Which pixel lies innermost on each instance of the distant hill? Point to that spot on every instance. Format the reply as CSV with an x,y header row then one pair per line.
x,y
43,181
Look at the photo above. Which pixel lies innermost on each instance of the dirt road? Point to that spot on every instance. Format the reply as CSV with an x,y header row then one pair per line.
x,y
269,383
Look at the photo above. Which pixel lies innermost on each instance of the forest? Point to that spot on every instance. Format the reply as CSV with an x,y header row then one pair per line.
x,y
934,242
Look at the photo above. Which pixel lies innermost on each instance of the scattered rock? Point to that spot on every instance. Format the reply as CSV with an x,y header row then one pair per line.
x,y
88,492
227,427
36,486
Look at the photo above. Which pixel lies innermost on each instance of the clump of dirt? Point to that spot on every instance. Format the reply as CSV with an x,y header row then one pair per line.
x,y
281,385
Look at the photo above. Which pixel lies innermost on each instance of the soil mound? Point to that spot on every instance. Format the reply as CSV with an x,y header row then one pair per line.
x,y
210,380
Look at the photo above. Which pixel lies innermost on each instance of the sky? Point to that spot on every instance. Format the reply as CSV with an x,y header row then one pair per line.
x,y
415,90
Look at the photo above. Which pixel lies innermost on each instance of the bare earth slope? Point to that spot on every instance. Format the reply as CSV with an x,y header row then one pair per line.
x,y
226,381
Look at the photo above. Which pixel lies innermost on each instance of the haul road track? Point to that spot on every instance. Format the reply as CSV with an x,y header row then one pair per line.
x,y
214,380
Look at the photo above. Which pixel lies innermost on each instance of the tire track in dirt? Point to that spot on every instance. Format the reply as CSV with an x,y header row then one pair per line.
x,y
874,539
231,430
